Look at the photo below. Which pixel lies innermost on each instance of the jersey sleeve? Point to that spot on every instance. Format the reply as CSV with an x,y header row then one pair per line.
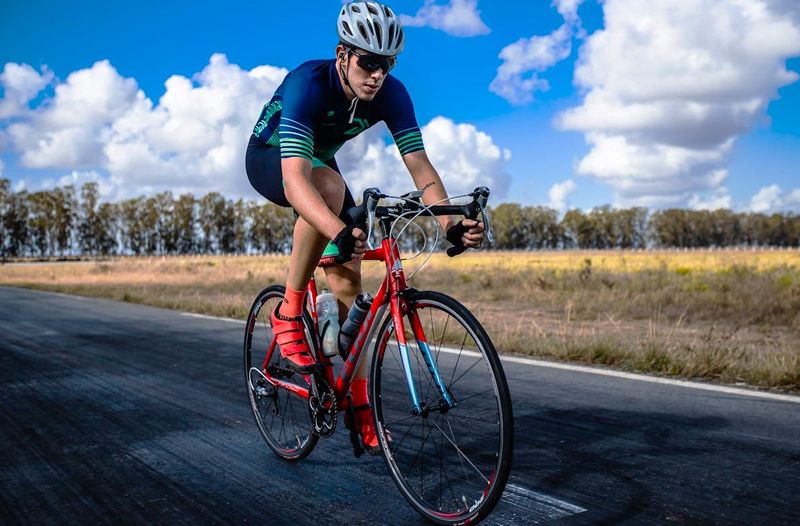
x,y
295,128
401,121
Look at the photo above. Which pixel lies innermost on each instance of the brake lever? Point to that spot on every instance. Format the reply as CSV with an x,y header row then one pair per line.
x,y
481,198
372,206
489,232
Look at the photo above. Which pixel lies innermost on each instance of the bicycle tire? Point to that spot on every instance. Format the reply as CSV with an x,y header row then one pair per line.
x,y
486,420
296,440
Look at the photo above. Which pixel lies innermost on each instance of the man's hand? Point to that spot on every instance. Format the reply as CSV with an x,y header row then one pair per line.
x,y
351,242
466,233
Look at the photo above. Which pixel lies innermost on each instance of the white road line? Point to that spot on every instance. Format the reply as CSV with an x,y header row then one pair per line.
x,y
204,316
602,372
640,377
521,505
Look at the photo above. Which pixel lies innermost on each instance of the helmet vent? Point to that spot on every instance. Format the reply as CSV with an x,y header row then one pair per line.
x,y
371,8
391,35
363,30
346,27
355,8
378,34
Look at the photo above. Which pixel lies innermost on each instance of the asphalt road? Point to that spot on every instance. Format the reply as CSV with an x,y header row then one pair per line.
x,y
113,413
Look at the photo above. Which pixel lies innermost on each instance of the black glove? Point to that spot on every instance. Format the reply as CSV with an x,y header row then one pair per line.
x,y
346,243
454,235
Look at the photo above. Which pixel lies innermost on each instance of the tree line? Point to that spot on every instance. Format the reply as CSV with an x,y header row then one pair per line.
x,y
65,221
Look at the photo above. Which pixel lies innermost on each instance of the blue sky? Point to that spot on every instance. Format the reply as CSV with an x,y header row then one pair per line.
x,y
448,68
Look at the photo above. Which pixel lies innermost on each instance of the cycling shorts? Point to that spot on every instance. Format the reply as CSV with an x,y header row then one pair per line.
x,y
263,165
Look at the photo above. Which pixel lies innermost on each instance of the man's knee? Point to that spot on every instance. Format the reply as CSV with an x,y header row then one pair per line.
x,y
345,279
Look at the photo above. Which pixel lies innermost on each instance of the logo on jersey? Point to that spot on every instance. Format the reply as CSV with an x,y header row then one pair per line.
x,y
360,125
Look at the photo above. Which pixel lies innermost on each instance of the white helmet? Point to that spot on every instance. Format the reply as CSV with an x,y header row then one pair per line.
x,y
372,27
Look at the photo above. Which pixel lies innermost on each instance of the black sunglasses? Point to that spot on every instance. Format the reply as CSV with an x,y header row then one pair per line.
x,y
372,63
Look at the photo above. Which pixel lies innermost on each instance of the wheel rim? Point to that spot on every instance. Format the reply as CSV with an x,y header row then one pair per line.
x,y
282,417
446,461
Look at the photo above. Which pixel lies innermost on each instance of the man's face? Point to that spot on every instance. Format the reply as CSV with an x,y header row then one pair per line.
x,y
364,83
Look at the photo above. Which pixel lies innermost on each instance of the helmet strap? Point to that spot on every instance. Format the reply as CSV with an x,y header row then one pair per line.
x,y
345,72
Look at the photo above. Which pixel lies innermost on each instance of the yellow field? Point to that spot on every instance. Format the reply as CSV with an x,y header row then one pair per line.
x,y
732,316
627,261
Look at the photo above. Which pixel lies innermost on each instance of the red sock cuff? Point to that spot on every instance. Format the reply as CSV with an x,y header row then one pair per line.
x,y
292,302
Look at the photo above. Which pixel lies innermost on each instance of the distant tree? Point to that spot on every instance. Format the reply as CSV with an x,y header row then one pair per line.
x,y
107,229
604,229
5,204
231,227
165,226
577,230
211,208
88,221
15,222
184,224
511,227
65,212
543,227
670,228
42,222
725,230
132,229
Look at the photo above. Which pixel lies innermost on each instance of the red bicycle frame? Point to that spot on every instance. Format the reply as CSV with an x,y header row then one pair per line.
x,y
390,292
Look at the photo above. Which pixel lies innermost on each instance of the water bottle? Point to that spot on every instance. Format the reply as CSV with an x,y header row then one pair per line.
x,y
353,322
328,317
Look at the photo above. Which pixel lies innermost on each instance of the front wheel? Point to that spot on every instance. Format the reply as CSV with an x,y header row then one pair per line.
x,y
450,463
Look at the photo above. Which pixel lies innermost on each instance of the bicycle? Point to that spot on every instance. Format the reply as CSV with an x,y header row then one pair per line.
x,y
451,441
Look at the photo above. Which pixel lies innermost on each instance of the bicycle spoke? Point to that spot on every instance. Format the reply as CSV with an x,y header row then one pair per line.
x,y
410,427
465,372
458,449
424,440
475,395
455,367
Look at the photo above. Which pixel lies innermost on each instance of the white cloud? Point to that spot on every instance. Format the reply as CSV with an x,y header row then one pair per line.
x,y
719,198
669,88
523,61
766,199
194,139
458,18
773,199
518,76
464,156
21,83
569,10
559,192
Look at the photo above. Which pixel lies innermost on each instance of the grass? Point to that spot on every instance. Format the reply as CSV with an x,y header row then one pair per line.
x,y
726,316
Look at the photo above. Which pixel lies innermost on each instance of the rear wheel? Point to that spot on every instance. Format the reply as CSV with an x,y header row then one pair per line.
x,y
282,416
451,464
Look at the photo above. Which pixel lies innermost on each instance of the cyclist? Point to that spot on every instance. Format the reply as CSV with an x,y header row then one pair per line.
x,y
290,161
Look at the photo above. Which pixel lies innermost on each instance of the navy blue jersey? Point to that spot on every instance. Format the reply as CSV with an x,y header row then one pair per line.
x,y
309,116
